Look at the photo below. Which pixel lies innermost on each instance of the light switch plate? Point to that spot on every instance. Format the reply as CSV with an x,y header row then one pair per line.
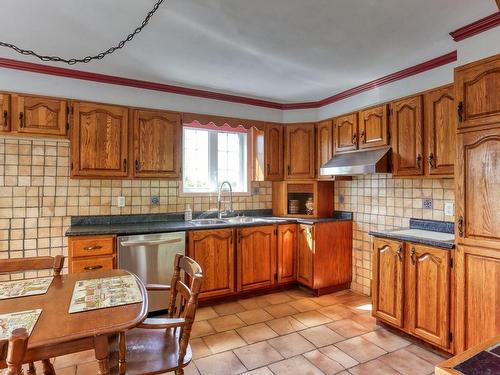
x,y
449,208
120,202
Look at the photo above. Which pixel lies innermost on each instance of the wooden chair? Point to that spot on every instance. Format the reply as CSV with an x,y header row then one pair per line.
x,y
34,264
162,345
12,351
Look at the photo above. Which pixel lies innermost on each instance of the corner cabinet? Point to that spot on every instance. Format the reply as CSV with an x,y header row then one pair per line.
x,y
300,152
157,139
273,152
99,140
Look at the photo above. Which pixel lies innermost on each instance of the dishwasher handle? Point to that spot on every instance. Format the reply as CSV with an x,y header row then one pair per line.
x,y
151,242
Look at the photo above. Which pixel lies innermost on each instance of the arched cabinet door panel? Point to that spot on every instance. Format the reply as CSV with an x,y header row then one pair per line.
x,y
273,152
39,115
287,253
299,152
346,133
374,127
324,146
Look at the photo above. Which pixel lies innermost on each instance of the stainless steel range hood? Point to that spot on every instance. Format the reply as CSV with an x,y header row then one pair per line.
x,y
356,163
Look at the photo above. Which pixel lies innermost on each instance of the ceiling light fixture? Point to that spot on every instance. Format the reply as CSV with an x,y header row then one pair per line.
x,y
88,59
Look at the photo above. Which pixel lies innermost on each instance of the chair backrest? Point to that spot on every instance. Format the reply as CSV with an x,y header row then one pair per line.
x,y
32,264
184,298
12,351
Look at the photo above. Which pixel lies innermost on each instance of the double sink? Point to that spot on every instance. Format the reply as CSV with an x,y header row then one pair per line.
x,y
234,220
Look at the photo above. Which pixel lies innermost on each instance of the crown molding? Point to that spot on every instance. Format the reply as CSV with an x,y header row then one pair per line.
x,y
476,27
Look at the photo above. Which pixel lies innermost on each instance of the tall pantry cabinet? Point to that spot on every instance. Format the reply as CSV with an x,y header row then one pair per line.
x,y
477,170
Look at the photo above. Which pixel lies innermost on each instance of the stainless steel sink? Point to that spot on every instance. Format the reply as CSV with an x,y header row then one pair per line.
x,y
241,219
208,221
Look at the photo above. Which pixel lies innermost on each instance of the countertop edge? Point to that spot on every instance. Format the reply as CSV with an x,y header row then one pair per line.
x,y
424,241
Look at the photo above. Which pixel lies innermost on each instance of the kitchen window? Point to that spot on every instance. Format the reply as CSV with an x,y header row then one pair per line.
x,y
212,155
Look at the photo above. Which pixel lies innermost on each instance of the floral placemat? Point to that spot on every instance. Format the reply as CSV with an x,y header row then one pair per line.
x,y
24,288
106,292
21,319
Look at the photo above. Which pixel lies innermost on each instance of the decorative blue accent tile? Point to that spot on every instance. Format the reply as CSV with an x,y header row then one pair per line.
x,y
427,203
155,200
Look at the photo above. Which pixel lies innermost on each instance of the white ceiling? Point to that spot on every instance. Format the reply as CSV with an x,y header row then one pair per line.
x,y
280,50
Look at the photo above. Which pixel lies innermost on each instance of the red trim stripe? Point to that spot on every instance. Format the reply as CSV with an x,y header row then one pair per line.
x,y
476,27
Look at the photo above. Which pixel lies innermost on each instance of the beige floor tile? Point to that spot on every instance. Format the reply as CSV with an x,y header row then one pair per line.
x,y
375,367
386,340
277,298
259,371
205,313
312,318
254,302
360,349
348,328
255,316
407,363
327,300
291,345
255,333
299,293
62,371
228,308
188,370
324,363
201,328
337,312
220,364
199,348
74,359
226,323
305,304
321,336
286,325
366,320
89,368
224,341
257,355
339,356
426,355
297,365
281,310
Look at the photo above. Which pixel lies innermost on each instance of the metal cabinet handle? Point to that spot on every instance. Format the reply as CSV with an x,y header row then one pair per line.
x,y
289,170
363,137
90,248
21,120
92,268
5,118
460,226
419,161
399,253
137,166
354,139
412,256
460,111
125,165
431,160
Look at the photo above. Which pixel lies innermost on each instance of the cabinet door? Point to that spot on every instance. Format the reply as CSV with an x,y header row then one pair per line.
x,y
407,137
305,255
256,257
287,250
299,156
387,281
273,152
6,113
157,144
373,127
428,293
478,295
440,125
477,88
324,146
213,250
346,133
99,140
478,188
39,115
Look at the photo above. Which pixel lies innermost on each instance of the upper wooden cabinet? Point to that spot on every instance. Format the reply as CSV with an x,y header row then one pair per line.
x,y
324,146
39,115
299,152
287,253
6,113
477,88
407,128
99,140
373,127
346,133
156,144
273,152
440,131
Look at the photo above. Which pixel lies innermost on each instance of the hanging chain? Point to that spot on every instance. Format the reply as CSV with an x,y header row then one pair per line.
x,y
88,59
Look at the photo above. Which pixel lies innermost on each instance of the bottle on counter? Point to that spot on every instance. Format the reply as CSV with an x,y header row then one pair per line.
x,y
188,213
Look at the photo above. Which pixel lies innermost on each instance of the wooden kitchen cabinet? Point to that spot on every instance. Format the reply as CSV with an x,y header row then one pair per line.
x,y
440,131
346,133
407,130
300,152
6,115
91,253
256,258
213,250
99,140
273,152
324,146
287,253
39,115
305,255
157,139
477,88
387,281
374,127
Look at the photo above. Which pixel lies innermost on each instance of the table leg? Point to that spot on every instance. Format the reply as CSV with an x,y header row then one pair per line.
x,y
102,354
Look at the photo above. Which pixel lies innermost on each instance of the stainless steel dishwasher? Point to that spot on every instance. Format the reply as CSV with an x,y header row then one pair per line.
x,y
151,257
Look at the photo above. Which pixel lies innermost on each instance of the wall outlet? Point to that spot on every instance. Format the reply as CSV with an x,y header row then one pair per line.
x,y
427,203
449,208
341,199
155,200
120,202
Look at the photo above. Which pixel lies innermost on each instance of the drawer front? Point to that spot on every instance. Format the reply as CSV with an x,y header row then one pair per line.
x,y
92,264
92,246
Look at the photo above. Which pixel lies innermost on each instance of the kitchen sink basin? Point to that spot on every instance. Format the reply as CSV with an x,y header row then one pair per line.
x,y
208,221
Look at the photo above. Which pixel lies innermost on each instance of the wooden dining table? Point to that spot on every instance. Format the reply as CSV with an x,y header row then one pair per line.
x,y
57,332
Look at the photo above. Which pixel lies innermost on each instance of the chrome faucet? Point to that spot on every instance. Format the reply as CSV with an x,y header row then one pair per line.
x,y
219,198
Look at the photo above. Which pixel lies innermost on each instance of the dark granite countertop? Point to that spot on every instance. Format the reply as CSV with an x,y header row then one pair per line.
x,y
163,223
425,232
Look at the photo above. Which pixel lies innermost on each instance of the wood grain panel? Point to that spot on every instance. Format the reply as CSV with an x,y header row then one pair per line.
x,y
346,133
273,152
6,114
287,253
305,255
91,246
300,151
374,127
324,146
92,264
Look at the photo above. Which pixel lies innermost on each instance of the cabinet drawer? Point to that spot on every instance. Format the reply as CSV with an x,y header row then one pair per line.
x,y
92,264
91,246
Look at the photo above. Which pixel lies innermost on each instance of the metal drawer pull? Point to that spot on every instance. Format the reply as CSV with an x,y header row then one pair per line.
x,y
92,268
95,247
399,253
412,256
460,226
150,243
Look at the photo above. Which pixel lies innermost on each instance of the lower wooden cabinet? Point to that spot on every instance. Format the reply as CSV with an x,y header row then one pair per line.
x,y
214,252
287,253
256,257
305,255
91,253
